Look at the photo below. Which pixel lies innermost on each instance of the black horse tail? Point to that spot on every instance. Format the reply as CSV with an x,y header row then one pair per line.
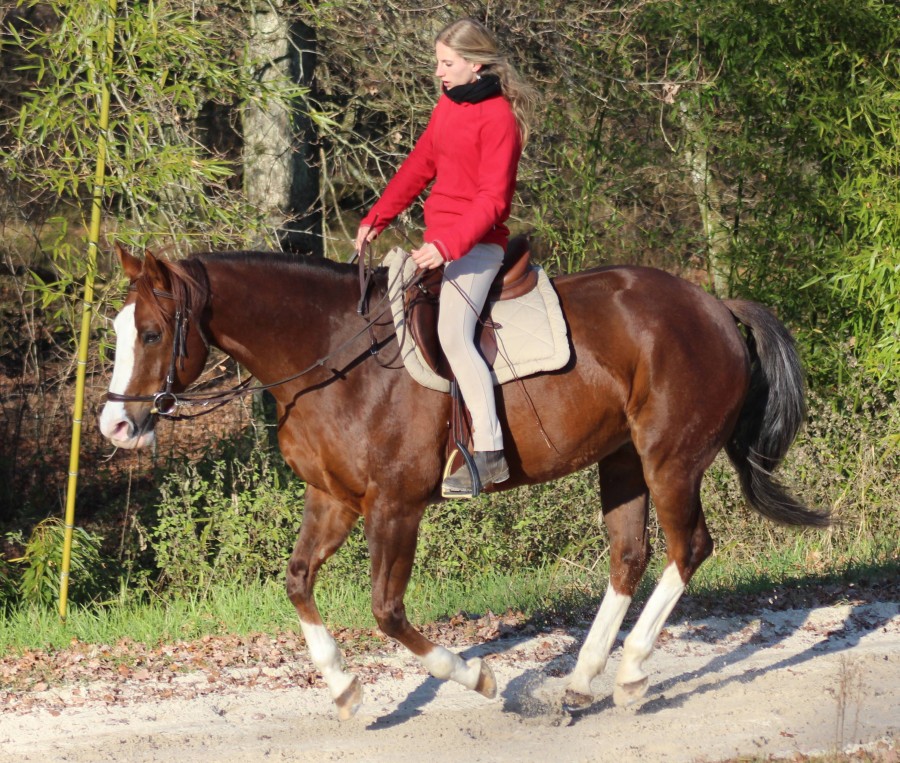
x,y
773,412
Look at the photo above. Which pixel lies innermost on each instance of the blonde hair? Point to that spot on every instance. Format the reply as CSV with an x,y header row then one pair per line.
x,y
472,40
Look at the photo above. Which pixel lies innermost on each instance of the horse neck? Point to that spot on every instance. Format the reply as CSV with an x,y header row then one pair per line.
x,y
279,317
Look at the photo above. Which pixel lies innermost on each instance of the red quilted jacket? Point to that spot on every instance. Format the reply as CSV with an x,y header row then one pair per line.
x,y
471,151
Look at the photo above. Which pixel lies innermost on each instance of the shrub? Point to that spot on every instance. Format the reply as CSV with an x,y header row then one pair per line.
x,y
39,580
234,517
229,520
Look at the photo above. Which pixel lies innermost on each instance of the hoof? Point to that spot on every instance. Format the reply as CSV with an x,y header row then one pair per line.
x,y
573,701
487,684
349,701
627,694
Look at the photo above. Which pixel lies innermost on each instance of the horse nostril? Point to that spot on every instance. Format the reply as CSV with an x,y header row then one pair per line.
x,y
122,431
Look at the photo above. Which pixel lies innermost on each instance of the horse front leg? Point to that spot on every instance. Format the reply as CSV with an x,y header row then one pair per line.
x,y
392,547
625,502
325,526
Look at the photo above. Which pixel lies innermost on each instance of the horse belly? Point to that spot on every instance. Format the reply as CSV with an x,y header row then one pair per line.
x,y
562,422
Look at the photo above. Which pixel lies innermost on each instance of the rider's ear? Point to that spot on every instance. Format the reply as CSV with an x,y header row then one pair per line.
x,y
155,271
130,264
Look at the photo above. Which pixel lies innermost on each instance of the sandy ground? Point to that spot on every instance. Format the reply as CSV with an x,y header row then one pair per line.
x,y
777,684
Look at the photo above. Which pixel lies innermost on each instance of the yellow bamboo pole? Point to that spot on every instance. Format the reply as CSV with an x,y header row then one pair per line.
x,y
87,304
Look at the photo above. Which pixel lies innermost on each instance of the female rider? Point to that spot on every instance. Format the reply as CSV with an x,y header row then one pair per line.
x,y
470,149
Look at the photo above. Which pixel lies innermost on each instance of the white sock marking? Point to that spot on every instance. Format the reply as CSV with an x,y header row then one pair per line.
x,y
444,664
600,639
324,652
640,641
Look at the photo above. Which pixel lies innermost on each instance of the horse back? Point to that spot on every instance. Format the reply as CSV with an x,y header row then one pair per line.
x,y
641,315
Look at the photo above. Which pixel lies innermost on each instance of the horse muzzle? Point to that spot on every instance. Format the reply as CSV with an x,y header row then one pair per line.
x,y
123,431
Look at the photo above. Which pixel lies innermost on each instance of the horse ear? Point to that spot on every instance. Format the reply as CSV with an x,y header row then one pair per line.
x,y
130,264
156,271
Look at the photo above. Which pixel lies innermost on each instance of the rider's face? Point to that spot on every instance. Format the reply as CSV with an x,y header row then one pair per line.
x,y
452,69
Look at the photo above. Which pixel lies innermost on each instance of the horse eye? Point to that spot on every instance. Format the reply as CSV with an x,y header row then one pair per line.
x,y
151,337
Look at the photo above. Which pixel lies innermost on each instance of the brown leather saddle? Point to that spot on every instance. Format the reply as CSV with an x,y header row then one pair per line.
x,y
517,276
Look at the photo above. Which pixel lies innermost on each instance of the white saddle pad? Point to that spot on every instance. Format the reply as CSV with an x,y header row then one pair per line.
x,y
531,331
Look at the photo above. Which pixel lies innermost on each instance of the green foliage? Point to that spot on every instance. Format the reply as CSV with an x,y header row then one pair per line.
x,y
39,579
8,587
526,528
804,115
170,63
756,142
228,521
843,464
165,182
601,181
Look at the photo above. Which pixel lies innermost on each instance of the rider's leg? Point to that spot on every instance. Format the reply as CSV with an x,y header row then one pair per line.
x,y
464,292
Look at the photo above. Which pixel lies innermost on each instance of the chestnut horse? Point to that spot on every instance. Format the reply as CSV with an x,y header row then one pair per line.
x,y
661,378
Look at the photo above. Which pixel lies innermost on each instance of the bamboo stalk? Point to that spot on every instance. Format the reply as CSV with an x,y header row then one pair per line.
x,y
87,306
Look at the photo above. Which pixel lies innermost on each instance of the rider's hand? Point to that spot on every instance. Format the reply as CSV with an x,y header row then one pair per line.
x,y
427,257
365,234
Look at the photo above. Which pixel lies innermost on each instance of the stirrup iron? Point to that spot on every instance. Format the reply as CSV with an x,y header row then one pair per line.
x,y
469,462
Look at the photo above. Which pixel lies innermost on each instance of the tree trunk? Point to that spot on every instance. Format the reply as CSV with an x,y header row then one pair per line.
x,y
706,191
304,230
280,176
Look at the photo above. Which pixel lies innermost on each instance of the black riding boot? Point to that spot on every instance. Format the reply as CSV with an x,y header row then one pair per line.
x,y
492,469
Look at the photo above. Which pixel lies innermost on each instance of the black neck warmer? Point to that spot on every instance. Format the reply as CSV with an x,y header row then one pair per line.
x,y
481,89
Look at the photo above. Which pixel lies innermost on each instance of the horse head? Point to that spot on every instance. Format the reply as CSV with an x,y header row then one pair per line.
x,y
160,346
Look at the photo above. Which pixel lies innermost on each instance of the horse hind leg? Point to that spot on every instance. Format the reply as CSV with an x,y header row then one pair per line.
x,y
325,527
625,506
392,544
689,543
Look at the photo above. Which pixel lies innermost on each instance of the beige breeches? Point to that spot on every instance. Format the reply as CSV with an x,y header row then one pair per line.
x,y
463,293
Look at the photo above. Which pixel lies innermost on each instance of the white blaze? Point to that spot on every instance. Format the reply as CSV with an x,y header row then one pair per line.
x,y
126,338
113,413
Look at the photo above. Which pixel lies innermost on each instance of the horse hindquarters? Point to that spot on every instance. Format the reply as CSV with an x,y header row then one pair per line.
x,y
689,380
759,427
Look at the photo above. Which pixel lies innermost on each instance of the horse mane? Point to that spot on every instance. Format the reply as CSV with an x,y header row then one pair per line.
x,y
285,264
279,261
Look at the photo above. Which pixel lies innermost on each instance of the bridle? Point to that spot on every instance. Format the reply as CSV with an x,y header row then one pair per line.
x,y
166,401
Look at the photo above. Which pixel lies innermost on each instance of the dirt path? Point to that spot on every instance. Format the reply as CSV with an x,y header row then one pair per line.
x,y
776,684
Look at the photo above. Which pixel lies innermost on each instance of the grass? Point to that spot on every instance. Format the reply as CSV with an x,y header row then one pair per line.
x,y
562,593
264,608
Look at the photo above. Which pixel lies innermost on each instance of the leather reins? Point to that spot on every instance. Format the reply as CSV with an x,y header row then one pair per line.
x,y
167,401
